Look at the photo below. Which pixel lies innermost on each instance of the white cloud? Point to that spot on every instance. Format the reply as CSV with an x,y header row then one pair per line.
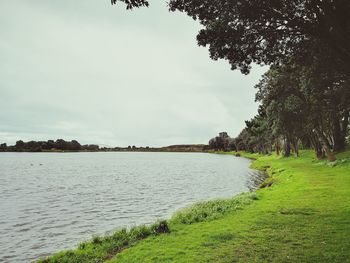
x,y
100,74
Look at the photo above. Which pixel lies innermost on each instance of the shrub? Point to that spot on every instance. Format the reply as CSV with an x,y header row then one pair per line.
x,y
101,248
160,227
210,210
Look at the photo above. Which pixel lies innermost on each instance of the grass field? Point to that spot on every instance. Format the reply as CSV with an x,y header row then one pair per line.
x,y
304,216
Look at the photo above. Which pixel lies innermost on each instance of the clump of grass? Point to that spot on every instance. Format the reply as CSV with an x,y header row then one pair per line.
x,y
100,249
267,183
210,210
305,211
223,237
338,162
96,240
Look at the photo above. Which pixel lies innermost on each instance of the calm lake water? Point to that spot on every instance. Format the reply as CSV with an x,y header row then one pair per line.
x,y
53,201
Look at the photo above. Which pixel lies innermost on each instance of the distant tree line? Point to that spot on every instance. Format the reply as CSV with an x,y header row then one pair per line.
x,y
222,142
62,145
170,148
50,145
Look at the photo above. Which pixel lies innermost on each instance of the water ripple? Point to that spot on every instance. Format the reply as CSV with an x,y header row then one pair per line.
x,y
50,201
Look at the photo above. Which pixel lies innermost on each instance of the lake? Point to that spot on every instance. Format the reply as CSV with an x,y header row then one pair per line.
x,y
53,201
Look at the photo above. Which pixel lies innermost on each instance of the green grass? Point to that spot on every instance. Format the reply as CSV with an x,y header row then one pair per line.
x,y
210,210
99,249
301,215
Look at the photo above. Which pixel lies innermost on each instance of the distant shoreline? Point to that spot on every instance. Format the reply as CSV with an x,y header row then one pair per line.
x,y
127,151
162,149
61,145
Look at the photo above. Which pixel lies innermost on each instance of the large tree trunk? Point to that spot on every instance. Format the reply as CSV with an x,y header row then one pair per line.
x,y
306,142
317,146
295,147
327,148
345,125
338,135
287,147
277,146
320,154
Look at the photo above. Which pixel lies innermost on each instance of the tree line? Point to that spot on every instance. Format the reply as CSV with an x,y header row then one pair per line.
x,y
305,95
301,106
222,142
50,145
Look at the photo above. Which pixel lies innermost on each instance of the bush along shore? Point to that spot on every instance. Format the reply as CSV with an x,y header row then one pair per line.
x,y
99,249
300,214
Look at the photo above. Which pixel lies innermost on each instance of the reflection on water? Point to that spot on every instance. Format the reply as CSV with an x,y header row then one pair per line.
x,y
53,201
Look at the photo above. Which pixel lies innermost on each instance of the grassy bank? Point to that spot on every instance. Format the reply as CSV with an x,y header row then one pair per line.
x,y
304,216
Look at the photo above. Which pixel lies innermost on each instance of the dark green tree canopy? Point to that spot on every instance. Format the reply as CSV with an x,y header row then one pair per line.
x,y
305,96
132,3
266,31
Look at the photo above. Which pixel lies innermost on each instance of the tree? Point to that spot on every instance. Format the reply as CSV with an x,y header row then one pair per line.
x,y
19,145
74,146
61,144
3,147
307,102
223,142
33,146
266,31
261,138
130,4
269,31
306,94
279,92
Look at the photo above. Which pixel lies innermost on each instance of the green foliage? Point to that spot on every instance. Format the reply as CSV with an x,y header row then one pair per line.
x,y
302,218
339,162
223,142
209,210
101,248
130,4
267,183
270,32
305,95
301,105
50,145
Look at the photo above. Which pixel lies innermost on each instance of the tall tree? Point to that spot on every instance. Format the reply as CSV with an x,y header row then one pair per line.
x,y
269,31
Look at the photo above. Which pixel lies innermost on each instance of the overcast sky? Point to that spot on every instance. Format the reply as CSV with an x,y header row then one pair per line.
x,y
97,73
